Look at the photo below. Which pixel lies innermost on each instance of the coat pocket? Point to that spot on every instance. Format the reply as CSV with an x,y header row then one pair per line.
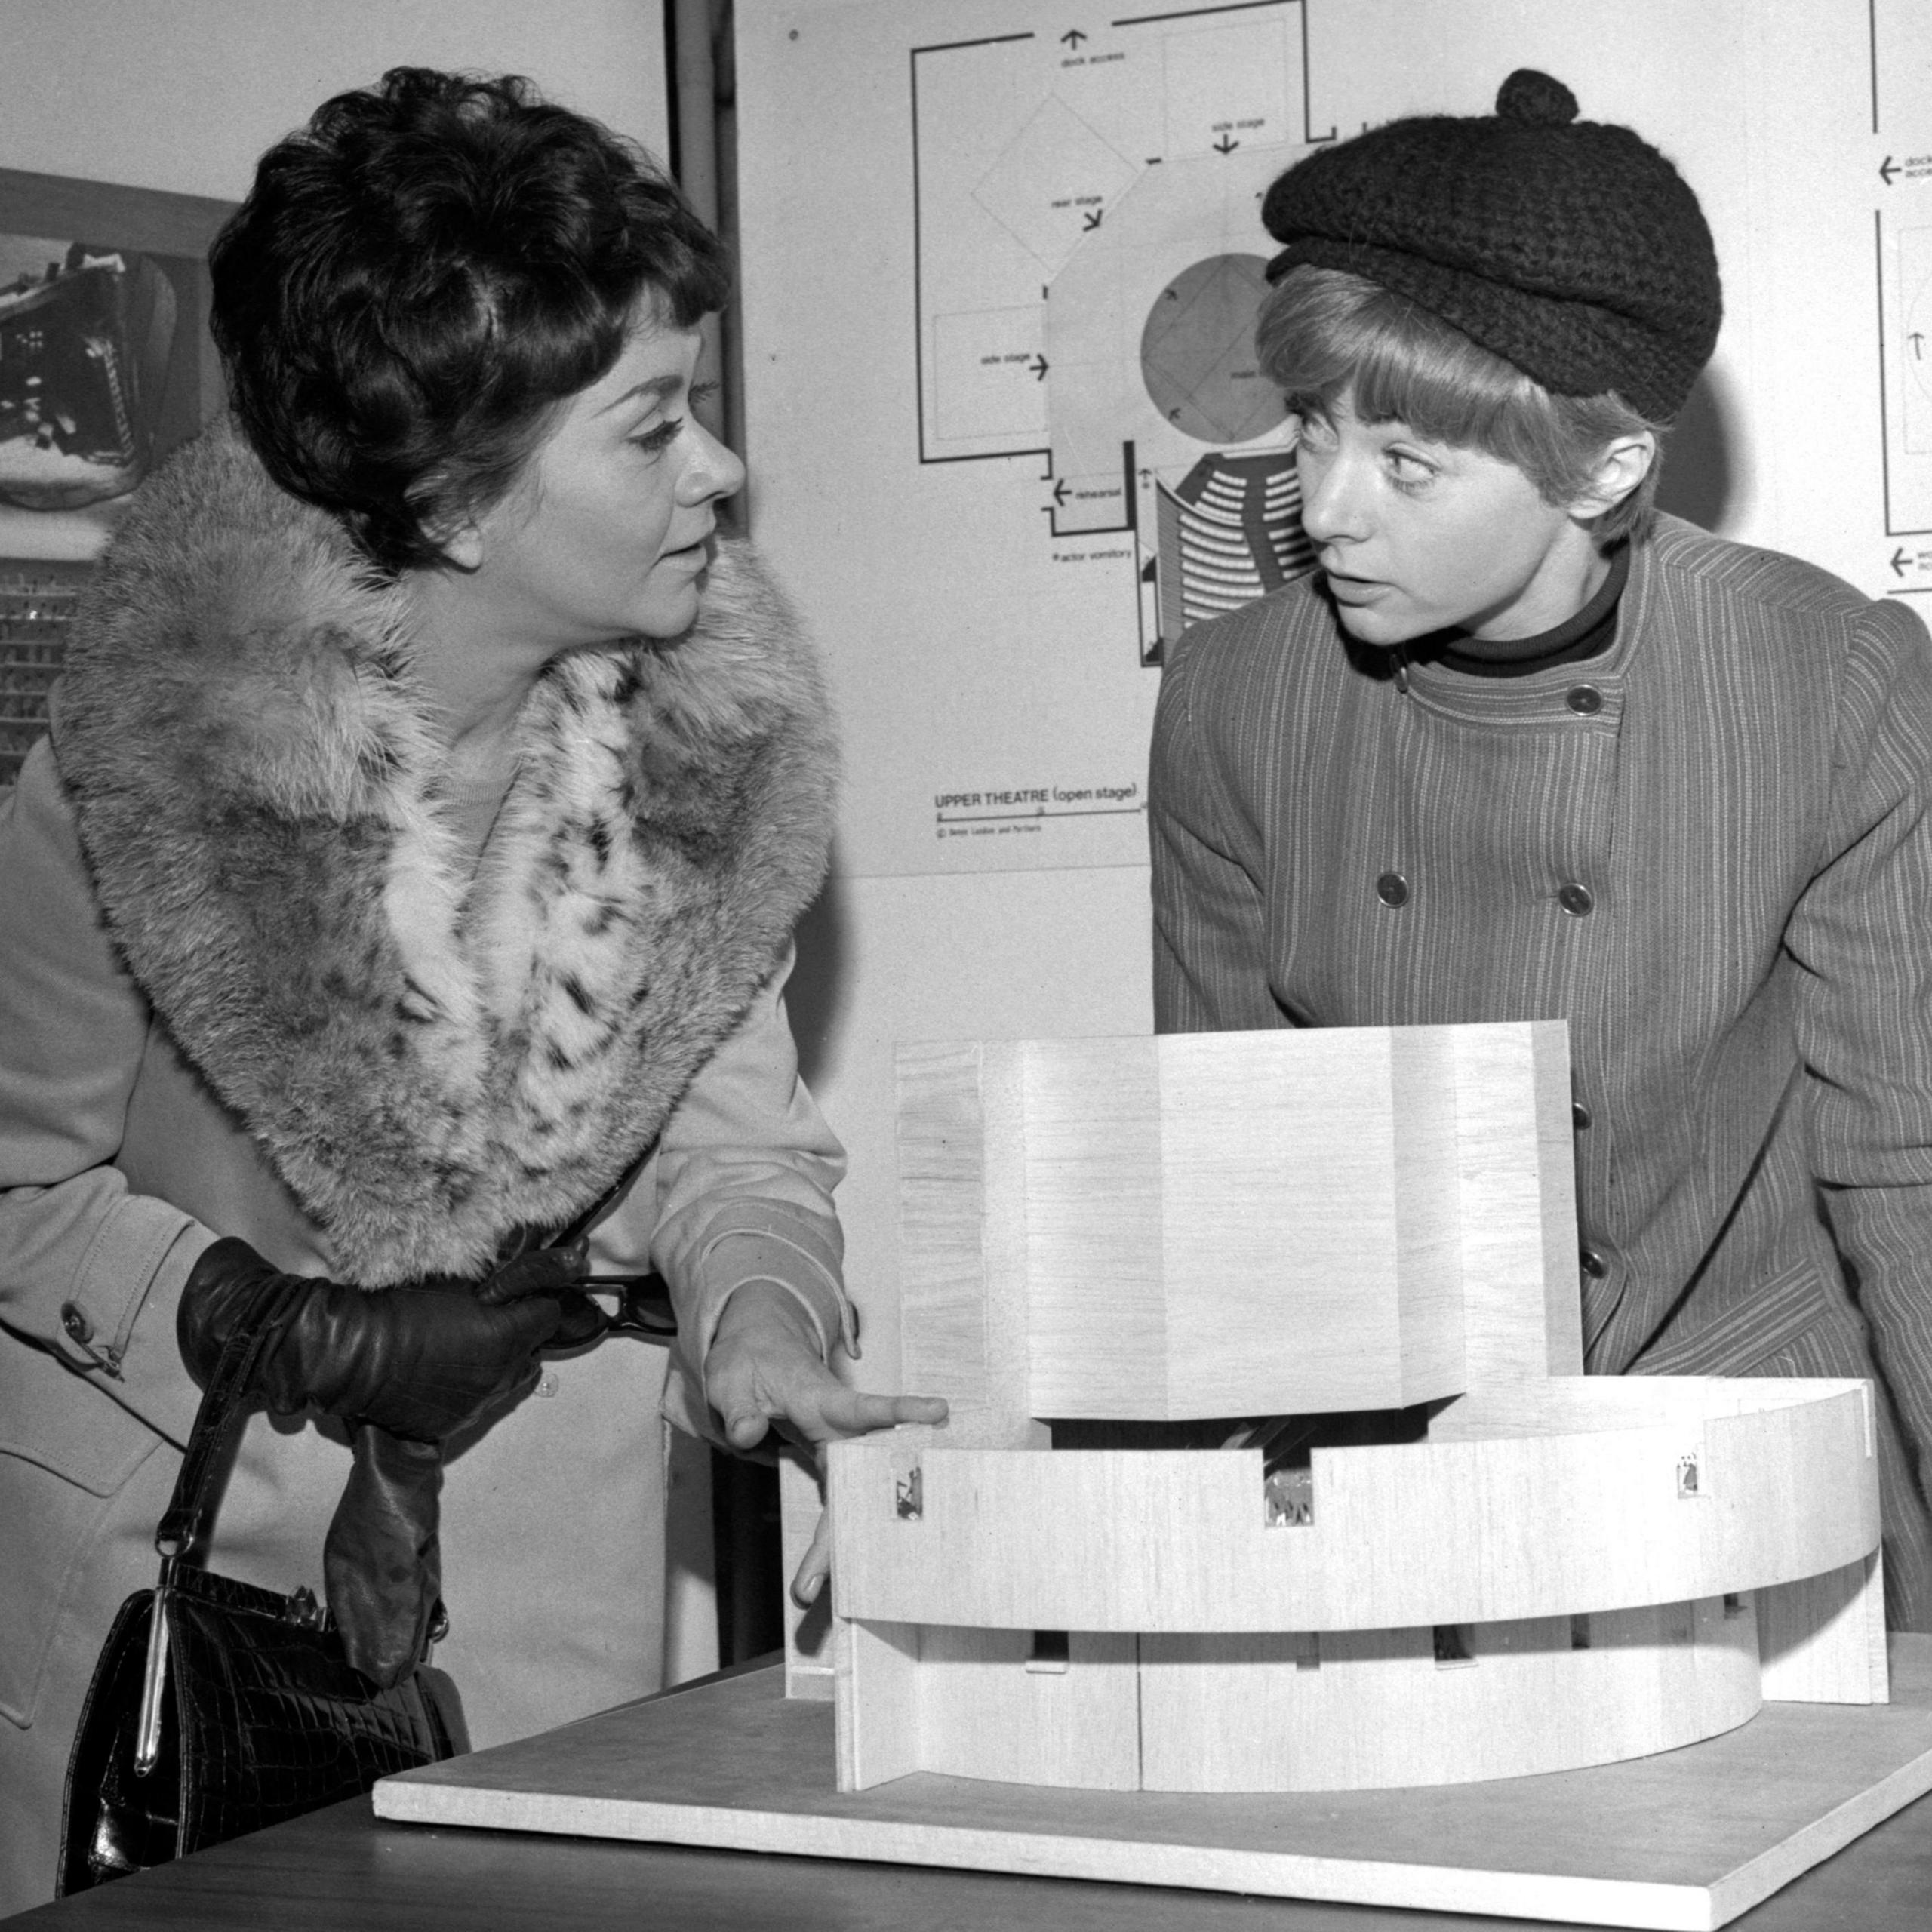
x,y
66,1454
1753,1328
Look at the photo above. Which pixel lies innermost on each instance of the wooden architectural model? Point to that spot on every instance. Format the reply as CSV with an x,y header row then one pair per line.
x,y
1317,1678
1532,1571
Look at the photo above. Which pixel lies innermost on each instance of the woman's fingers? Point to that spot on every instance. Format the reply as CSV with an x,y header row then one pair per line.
x,y
746,1429
857,1415
762,1375
849,1412
823,1412
822,1408
816,1565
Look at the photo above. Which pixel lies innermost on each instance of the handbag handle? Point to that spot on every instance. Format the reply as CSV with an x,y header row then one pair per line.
x,y
219,1416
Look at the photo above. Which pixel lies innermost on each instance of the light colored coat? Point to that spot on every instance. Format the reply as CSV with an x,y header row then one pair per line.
x,y
1740,789
248,987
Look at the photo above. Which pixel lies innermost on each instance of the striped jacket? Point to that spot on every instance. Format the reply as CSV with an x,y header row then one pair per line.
x,y
1707,849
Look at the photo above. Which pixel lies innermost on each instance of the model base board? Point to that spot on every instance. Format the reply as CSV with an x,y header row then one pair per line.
x,y
1688,1838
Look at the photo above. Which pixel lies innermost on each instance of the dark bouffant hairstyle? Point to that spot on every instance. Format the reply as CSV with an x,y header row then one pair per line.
x,y
419,277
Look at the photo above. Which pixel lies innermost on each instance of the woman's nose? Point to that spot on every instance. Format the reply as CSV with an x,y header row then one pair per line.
x,y
713,471
1331,504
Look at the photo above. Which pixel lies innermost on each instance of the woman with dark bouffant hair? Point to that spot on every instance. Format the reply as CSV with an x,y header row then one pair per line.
x,y
403,904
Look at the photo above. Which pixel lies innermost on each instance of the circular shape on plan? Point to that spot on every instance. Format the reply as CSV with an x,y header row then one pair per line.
x,y
1197,352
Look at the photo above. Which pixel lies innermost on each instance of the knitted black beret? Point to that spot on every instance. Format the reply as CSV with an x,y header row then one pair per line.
x,y
1571,249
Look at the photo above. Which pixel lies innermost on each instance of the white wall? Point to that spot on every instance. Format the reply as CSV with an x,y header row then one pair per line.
x,y
183,94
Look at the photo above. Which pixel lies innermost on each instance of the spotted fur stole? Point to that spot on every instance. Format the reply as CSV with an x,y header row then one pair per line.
x,y
428,1060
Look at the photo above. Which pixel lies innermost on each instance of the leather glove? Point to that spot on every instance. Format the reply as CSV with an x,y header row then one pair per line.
x,y
407,1367
382,1562
419,1360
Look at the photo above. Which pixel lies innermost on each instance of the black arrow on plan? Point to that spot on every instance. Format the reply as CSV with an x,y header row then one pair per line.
x,y
1093,220
1225,146
1900,558
1072,37
1059,491
1887,169
1917,341
1039,366
1173,414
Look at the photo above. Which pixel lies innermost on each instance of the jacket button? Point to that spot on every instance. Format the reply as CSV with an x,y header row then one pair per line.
x,y
1392,889
1586,700
76,1324
1593,1264
1579,1115
1577,901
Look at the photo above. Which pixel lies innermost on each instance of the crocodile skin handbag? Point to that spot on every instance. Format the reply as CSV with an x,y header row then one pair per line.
x,y
217,1707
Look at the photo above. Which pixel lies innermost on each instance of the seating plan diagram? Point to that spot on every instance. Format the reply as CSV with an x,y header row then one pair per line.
x,y
1089,272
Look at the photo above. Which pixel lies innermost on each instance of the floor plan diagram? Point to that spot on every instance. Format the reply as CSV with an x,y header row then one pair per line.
x,y
1090,259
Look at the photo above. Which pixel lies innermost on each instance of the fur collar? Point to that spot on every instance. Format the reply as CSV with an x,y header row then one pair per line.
x,y
428,1060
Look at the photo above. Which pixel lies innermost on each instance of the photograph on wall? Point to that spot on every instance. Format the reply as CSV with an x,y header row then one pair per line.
x,y
106,366
99,379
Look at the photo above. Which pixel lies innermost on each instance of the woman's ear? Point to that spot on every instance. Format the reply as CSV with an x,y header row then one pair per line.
x,y
1625,461
462,543
455,531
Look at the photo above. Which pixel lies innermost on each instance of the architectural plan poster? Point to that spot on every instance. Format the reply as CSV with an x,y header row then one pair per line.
x,y
1001,262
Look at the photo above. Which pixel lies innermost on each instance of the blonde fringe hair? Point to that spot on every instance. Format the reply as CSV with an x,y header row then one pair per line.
x,y
1324,333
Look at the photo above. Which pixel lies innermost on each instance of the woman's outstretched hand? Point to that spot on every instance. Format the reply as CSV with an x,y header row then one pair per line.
x,y
764,1370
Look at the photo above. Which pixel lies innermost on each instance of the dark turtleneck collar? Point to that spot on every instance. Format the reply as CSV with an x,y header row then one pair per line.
x,y
1588,632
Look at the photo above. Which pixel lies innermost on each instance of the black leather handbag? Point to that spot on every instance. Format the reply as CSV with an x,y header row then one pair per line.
x,y
217,1707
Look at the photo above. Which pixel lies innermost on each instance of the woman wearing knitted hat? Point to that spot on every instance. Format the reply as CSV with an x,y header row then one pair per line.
x,y
1523,748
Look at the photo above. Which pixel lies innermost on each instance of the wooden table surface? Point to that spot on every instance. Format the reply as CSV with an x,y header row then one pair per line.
x,y
339,1868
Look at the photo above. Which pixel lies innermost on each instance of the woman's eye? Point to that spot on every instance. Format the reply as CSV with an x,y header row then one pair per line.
x,y
1312,433
1410,471
654,442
